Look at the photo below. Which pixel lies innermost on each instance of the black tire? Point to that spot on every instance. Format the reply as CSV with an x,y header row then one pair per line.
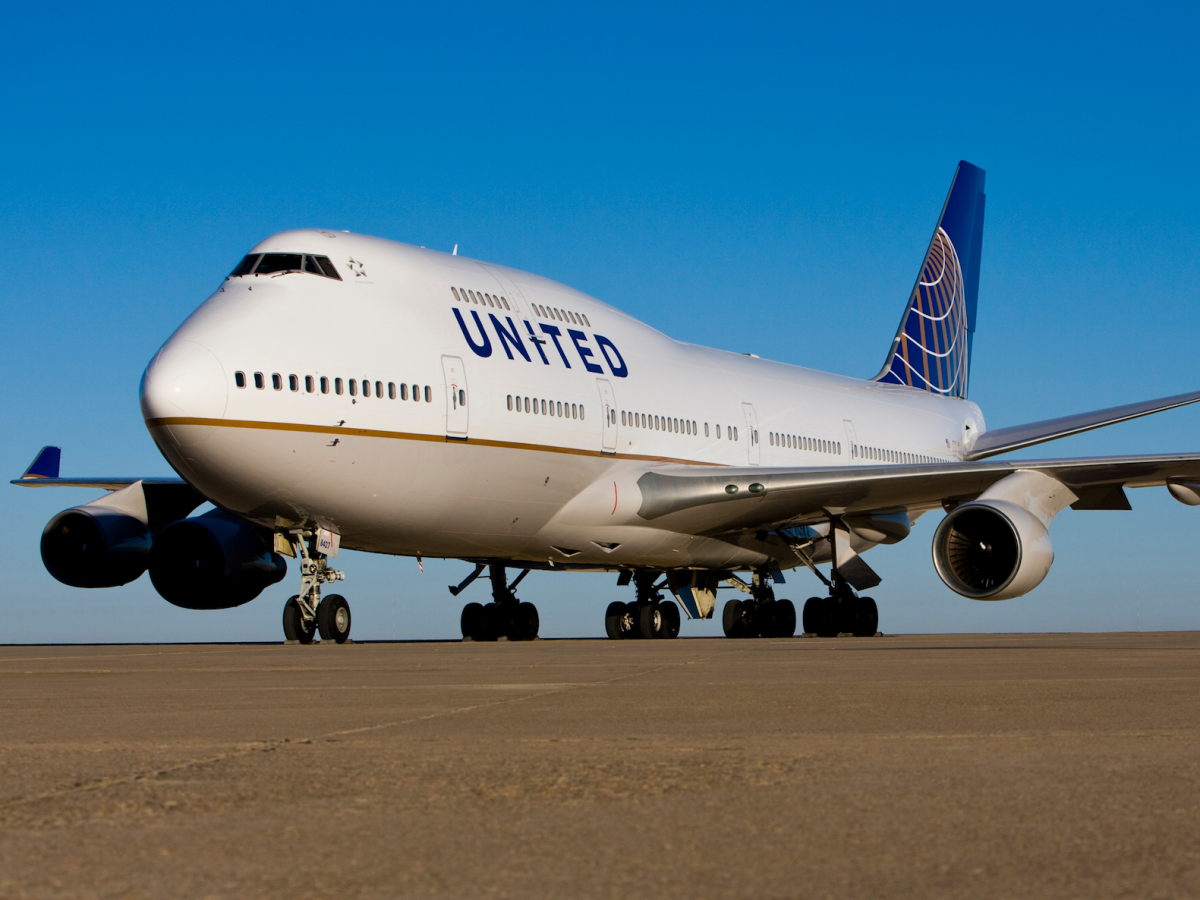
x,y
830,619
471,620
762,618
671,617
525,623
785,619
333,618
733,619
812,615
866,617
652,621
489,623
614,618
293,623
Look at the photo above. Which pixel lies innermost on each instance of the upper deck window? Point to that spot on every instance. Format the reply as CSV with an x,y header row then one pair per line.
x,y
281,263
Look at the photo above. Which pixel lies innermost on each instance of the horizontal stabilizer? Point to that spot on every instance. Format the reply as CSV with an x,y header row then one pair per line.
x,y
1005,440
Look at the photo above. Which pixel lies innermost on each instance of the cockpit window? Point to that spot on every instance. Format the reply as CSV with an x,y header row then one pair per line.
x,y
246,266
280,263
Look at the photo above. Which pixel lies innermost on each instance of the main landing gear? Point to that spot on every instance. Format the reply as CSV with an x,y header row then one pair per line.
x,y
843,612
761,615
505,616
649,616
307,613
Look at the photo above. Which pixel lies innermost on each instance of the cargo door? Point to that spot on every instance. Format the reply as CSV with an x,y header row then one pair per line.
x,y
456,397
608,409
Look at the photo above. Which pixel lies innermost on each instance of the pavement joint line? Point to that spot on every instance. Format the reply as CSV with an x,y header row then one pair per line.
x,y
133,655
272,745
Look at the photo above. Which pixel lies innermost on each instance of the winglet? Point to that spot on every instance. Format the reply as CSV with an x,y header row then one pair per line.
x,y
44,465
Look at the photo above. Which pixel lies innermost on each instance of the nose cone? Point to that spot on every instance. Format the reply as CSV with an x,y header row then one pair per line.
x,y
184,390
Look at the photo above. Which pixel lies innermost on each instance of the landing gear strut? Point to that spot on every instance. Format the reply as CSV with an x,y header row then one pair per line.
x,y
307,613
761,615
649,616
505,616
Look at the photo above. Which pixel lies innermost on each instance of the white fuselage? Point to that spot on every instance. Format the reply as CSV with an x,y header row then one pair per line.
x,y
472,474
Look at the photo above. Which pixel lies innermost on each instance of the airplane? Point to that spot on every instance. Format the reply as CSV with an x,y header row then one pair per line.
x,y
345,391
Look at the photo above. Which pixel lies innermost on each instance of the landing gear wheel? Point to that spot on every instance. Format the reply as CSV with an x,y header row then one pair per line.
x,y
822,617
785,619
670,618
614,621
333,618
733,619
525,623
294,628
471,621
866,618
651,621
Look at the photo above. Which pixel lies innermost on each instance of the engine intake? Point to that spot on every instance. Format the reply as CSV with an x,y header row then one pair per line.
x,y
213,561
95,547
992,550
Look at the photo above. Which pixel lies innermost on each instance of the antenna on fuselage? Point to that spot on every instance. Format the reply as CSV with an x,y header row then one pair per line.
x,y
454,252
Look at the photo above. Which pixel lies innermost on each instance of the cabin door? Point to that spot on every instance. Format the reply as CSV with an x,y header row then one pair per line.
x,y
608,410
456,397
753,453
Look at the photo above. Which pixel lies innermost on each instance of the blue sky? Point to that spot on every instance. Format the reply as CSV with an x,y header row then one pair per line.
x,y
755,177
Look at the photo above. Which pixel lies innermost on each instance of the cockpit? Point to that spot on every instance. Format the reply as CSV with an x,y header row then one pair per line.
x,y
283,263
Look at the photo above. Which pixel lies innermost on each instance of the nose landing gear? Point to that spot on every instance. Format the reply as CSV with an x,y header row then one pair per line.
x,y
307,613
505,616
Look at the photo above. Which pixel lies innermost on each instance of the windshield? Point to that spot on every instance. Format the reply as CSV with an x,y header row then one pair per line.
x,y
282,263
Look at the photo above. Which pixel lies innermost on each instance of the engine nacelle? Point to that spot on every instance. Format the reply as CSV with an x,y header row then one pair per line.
x,y
992,550
213,561
95,546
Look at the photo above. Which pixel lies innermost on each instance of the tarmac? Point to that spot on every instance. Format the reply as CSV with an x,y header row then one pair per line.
x,y
974,766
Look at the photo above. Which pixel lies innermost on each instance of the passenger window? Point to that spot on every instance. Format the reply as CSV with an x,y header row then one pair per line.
x,y
353,387
462,397
585,321
543,407
574,412
510,403
454,291
324,385
735,433
718,432
258,380
379,389
278,263
239,378
416,393
293,383
428,394
337,386
308,383
245,267
706,429
505,302
404,392
391,390
581,411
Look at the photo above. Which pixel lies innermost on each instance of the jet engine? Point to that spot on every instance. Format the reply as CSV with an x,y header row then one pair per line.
x,y
95,546
213,561
992,550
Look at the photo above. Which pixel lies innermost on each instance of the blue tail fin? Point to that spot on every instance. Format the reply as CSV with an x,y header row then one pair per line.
x,y
932,349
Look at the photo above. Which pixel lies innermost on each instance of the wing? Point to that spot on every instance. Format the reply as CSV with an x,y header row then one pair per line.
x,y
1015,437
706,502
43,472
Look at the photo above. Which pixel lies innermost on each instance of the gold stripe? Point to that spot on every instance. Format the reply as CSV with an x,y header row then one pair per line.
x,y
409,436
